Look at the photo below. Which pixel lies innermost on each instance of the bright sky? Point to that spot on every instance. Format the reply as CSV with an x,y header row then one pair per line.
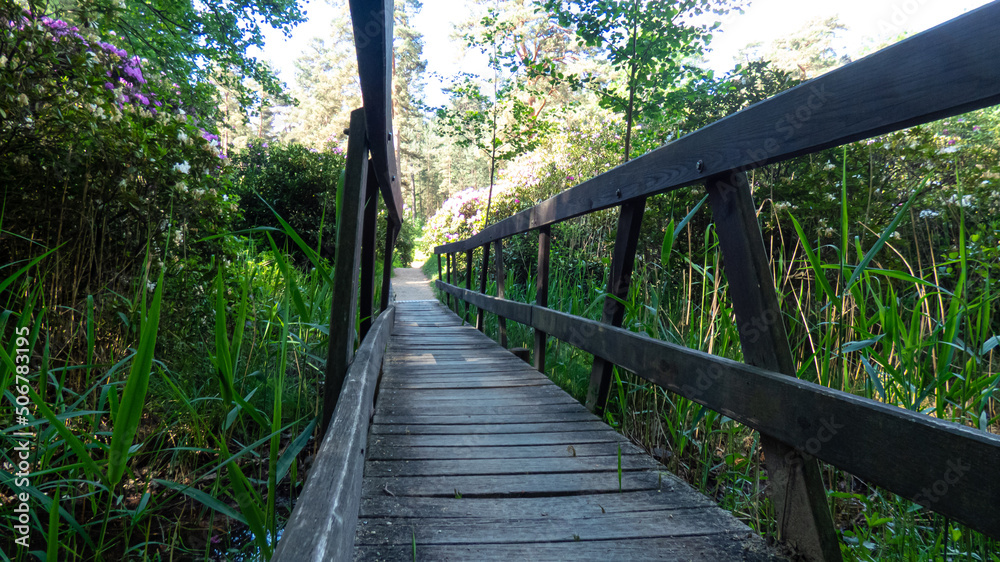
x,y
765,20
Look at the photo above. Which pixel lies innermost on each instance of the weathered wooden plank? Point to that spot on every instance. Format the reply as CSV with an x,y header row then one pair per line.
x,y
680,523
501,440
323,522
479,409
545,417
430,375
392,230
482,284
513,310
500,485
454,359
501,276
450,467
484,373
545,392
346,262
716,548
672,494
378,450
619,281
542,291
947,70
453,370
794,481
457,408
450,266
372,23
489,429
460,384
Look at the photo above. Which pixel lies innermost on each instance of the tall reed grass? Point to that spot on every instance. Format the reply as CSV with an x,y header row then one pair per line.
x,y
864,320
156,458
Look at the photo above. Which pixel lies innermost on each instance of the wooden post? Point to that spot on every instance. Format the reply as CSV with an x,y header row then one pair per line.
x,y
794,482
619,280
542,292
468,282
439,266
449,258
480,320
391,232
501,278
369,229
344,307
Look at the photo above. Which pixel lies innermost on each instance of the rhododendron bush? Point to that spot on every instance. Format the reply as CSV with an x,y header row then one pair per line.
x,y
98,157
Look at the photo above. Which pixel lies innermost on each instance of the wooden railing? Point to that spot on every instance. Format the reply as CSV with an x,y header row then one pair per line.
x,y
323,522
952,469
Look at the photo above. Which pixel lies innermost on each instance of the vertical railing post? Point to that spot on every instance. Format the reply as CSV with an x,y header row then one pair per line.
x,y
501,278
468,282
440,273
391,232
366,299
450,259
344,307
542,291
480,318
794,480
619,281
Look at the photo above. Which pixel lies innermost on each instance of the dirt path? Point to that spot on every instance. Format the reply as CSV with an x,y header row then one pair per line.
x,y
410,284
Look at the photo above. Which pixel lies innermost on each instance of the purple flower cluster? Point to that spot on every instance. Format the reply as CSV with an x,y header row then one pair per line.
x,y
109,48
127,74
60,28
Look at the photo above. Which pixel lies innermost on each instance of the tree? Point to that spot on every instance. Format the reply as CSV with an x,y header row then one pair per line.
x,y
647,42
806,53
191,41
493,113
407,84
328,88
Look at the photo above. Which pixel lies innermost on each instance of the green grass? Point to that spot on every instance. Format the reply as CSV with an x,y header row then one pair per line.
x,y
194,432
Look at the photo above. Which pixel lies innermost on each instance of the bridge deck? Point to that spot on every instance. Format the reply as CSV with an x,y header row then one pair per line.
x,y
474,455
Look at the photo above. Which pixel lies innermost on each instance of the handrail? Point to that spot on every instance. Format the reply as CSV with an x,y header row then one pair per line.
x,y
372,22
947,70
324,520
944,71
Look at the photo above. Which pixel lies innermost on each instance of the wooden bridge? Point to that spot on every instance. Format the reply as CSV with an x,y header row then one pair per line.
x,y
440,444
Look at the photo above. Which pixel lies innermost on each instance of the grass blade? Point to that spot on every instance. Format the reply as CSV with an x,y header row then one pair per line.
x,y
134,396
203,498
883,238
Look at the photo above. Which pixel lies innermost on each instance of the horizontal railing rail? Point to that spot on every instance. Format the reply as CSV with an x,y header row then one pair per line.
x,y
949,468
323,523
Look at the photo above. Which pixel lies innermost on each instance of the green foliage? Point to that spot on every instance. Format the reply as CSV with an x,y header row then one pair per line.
x,y
107,164
648,43
192,42
297,183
